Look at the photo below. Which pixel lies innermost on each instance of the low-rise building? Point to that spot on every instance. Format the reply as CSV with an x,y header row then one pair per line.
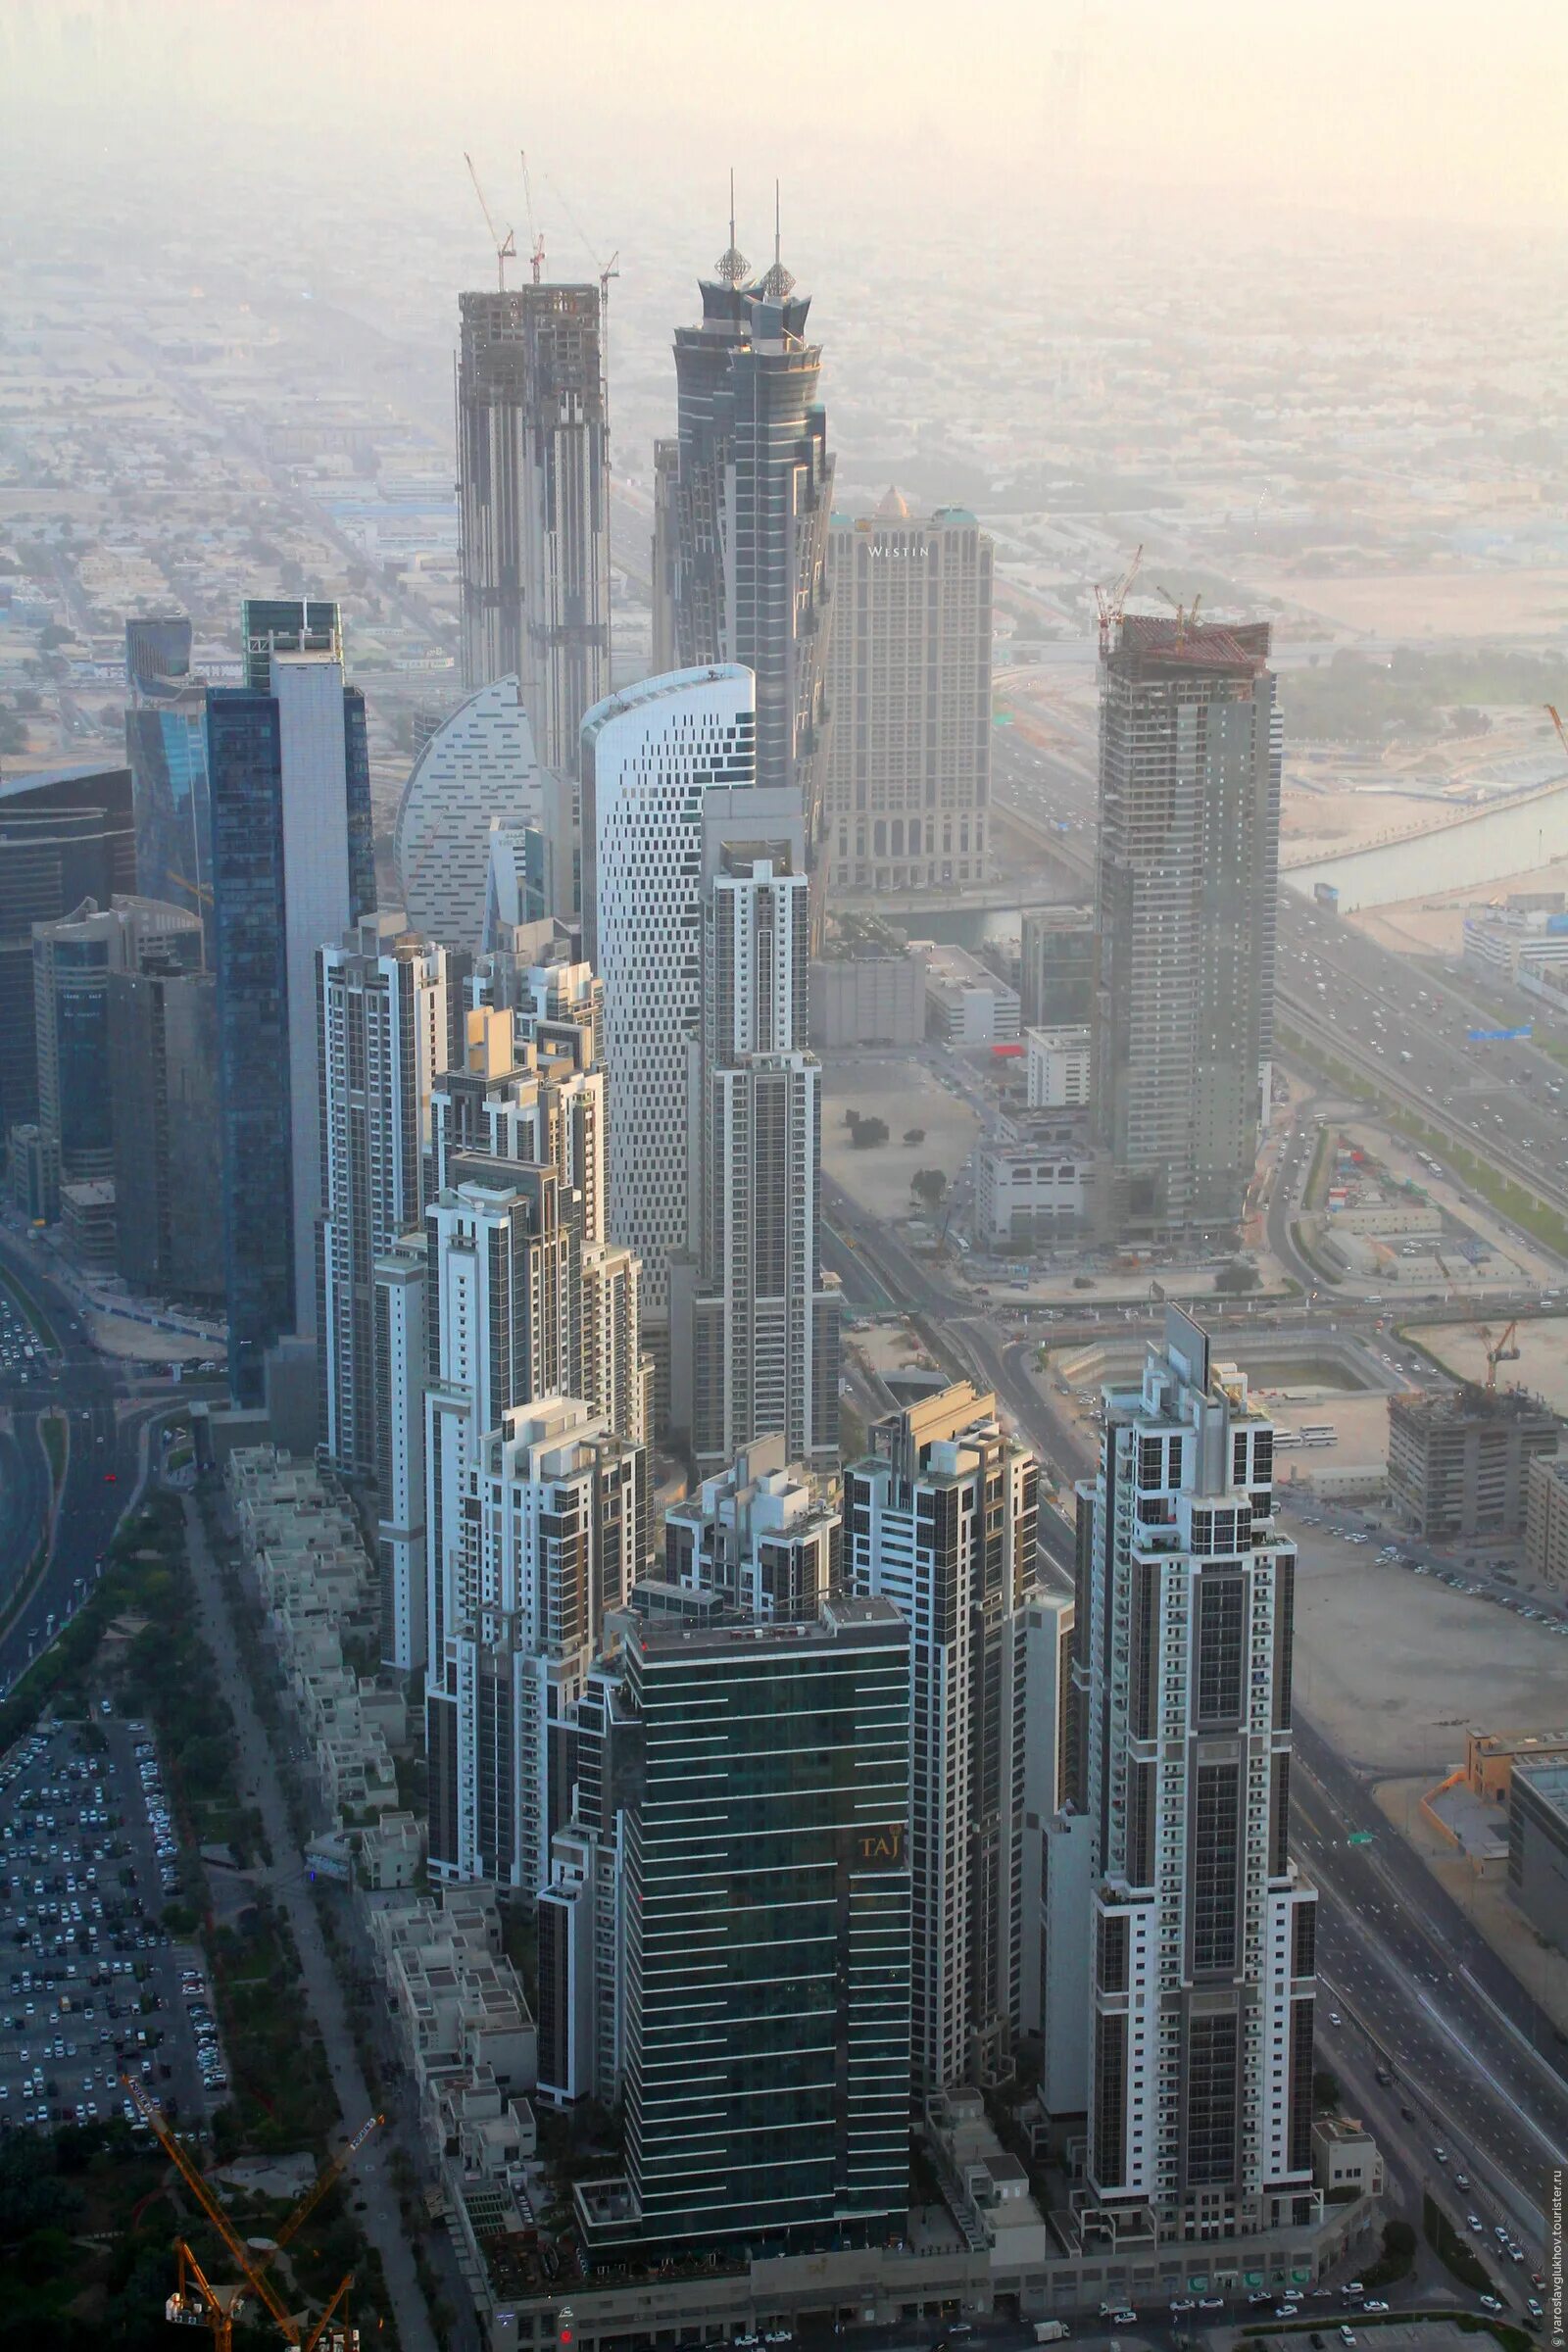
x,y
1490,1758
1034,1182
867,1001
1457,1457
1345,2161
965,1003
1059,1069
1547,1518
1537,1847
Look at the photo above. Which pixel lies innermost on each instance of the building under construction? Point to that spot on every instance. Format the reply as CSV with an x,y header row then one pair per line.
x,y
1459,1458
533,515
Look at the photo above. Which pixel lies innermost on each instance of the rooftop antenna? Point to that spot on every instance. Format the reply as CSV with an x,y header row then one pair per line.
x,y
536,243
507,246
733,267
777,282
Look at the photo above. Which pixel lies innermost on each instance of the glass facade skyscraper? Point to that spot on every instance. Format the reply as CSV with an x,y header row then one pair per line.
x,y
262,930
166,748
66,835
766,2028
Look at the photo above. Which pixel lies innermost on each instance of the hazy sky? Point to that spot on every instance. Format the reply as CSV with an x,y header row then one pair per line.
x,y
1435,110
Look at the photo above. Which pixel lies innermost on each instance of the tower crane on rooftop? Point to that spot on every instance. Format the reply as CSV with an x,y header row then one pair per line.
x,y
507,246
1109,605
536,242
196,2302
1186,614
1507,1351
1562,731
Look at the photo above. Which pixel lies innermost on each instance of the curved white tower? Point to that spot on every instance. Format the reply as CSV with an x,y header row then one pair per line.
x,y
478,765
650,754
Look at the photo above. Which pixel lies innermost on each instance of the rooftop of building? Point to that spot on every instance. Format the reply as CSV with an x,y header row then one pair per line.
x,y
668,686
1187,644
1546,1779
843,1618
1438,1407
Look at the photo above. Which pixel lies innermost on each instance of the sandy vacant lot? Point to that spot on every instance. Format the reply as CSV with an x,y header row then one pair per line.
x,y
1543,1365
1415,604
1392,1667
905,1096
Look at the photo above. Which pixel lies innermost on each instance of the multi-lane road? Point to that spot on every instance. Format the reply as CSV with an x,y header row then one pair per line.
x,y
1477,2065
102,1462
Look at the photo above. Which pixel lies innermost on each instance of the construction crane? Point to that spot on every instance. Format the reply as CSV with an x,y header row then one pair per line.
x,y
1507,1351
1186,615
536,242
1109,607
199,890
507,246
1562,731
216,2307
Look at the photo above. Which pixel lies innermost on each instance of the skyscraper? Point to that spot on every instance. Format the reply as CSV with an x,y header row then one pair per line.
x,y
940,1519
166,748
908,760
66,834
74,962
767,1925
292,867
1199,1959
384,1015
754,1327
286,625
651,754
478,769
558,1537
533,513
1190,757
163,1086
750,501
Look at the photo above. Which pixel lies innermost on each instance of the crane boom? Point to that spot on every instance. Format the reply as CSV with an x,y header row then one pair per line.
x,y
152,2116
1109,607
1562,731
507,246
325,2180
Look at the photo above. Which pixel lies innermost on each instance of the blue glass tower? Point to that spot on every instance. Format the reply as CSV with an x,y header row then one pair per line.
x,y
261,928
165,751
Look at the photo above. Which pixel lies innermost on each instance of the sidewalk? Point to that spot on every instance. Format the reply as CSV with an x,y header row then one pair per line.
x,y
324,1996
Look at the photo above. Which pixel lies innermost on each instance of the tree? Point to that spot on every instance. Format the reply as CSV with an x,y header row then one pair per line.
x,y
1232,1280
928,1185
915,1134
866,1134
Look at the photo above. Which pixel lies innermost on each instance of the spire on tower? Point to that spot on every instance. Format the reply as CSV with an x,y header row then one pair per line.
x,y
733,267
776,282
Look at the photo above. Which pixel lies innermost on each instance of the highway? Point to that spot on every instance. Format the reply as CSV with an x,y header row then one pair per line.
x,y
1359,1001
101,1471
1480,2066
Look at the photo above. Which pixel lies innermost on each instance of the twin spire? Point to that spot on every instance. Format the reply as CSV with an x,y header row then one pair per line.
x,y
734,268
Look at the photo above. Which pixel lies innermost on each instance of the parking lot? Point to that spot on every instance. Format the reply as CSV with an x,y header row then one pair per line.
x,y
91,1986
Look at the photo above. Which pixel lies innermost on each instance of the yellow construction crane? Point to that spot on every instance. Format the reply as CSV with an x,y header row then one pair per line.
x,y
196,2302
507,246
1109,607
1507,1351
1186,615
199,890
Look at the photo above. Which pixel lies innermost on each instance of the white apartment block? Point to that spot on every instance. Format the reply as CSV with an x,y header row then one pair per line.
x,y
650,756
1057,1068
1199,1971
382,1002
317,901
556,1537
940,1519
754,1325
908,770
401,1276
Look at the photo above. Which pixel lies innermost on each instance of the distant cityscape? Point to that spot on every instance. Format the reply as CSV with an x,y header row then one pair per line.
x,y
784,1211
